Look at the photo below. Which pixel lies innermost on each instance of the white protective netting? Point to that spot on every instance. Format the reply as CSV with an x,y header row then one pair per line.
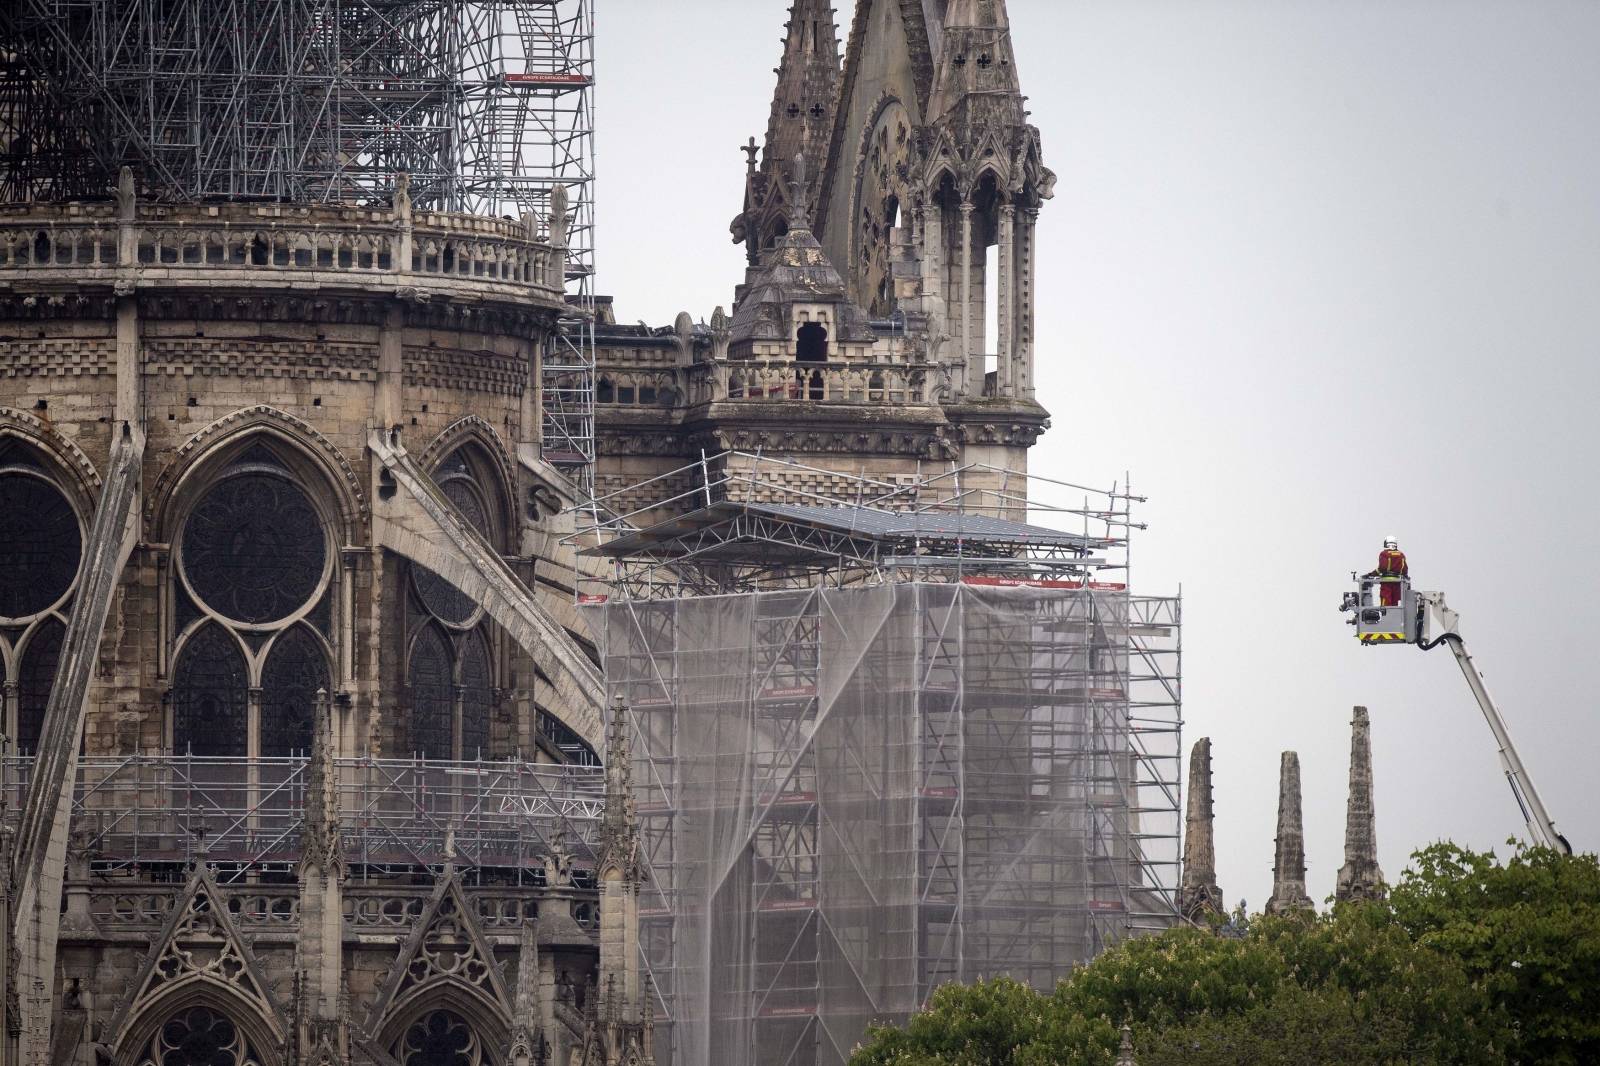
x,y
850,796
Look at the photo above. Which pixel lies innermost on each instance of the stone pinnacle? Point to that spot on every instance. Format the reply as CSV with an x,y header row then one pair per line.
x,y
1198,893
1359,877
1289,862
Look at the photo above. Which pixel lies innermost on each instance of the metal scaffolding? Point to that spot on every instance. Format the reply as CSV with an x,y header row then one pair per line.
x,y
397,815
487,106
919,767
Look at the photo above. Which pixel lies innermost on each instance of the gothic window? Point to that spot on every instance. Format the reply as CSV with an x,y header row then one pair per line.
x,y
40,544
254,549
34,681
296,668
446,602
432,712
209,709
450,672
442,1038
477,696
254,556
198,1036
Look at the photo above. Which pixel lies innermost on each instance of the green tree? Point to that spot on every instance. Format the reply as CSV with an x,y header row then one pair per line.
x,y
1351,987
1527,932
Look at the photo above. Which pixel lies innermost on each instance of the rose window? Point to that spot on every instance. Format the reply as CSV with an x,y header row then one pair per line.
x,y
198,1036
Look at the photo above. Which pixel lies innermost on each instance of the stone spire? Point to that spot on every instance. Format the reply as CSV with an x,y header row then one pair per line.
x,y
1289,864
619,874
320,836
321,1035
977,67
619,826
1198,894
808,78
1359,877
801,123
525,1049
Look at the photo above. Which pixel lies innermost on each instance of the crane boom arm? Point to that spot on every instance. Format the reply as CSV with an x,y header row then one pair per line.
x,y
1444,621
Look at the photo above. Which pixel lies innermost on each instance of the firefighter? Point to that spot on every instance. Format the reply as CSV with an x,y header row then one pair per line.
x,y
1392,573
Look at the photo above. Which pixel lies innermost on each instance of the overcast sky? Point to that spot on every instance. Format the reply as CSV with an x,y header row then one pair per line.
x,y
1314,272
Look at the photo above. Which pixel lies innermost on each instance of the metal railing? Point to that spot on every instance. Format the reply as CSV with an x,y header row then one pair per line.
x,y
145,809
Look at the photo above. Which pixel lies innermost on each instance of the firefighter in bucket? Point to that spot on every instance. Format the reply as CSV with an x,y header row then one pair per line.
x,y
1392,573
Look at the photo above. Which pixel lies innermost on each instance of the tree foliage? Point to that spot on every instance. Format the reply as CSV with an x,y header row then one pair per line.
x,y
1527,933
1470,961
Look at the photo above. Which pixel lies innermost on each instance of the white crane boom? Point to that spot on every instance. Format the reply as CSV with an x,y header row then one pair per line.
x,y
1423,619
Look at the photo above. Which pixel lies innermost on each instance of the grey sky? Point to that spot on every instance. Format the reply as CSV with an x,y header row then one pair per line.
x,y
1314,273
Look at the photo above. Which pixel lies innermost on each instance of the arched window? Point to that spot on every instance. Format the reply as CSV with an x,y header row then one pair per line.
x,y
450,677
428,681
477,695
34,681
296,668
442,1038
253,558
41,546
210,710
605,392
198,1036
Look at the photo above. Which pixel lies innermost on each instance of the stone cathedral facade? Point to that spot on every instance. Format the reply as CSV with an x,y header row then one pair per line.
x,y
303,733
303,747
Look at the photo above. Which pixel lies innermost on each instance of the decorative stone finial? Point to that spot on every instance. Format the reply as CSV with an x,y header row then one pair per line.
x,y
126,198
1289,862
402,197
799,215
558,216
1359,877
1198,894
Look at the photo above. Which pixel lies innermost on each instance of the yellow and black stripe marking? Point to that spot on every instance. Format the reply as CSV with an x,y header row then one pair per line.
x,y
1382,638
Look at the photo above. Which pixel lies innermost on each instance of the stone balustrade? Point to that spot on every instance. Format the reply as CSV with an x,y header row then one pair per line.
x,y
266,244
836,382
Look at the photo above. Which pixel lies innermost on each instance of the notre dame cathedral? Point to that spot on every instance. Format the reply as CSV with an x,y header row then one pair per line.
x,y
308,757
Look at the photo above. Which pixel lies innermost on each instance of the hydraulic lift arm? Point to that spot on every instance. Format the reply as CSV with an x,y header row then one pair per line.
x,y
1441,620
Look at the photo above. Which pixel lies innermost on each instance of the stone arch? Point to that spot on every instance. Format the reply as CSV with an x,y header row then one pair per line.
x,y
77,475
310,455
493,466
486,1017
264,1032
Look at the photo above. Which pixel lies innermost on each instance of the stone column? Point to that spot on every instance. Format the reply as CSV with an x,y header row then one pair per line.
x,y
1359,877
1005,384
10,714
1289,863
1198,894
974,363
1027,262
